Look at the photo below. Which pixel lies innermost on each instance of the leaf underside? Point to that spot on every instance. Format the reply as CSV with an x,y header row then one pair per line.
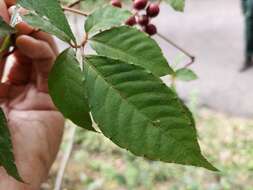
x,y
105,18
45,25
6,154
67,89
52,10
140,113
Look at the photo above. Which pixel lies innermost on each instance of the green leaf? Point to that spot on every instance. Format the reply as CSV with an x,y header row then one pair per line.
x,y
132,46
45,25
53,11
178,5
138,112
90,5
6,43
6,154
185,74
5,29
105,18
67,89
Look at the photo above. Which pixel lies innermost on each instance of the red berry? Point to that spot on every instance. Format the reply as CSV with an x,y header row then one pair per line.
x,y
150,29
116,3
131,21
153,10
143,20
140,4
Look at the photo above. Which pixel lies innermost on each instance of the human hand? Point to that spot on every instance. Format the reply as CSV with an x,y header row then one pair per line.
x,y
36,126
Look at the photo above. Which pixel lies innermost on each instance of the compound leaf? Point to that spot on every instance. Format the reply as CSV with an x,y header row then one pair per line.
x,y
138,112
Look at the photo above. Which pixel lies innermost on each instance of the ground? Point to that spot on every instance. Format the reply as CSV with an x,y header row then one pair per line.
x,y
97,164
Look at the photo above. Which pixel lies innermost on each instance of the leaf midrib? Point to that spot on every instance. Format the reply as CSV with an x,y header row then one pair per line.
x,y
123,98
131,57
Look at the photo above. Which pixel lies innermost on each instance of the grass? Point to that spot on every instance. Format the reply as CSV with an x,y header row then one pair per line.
x,y
97,164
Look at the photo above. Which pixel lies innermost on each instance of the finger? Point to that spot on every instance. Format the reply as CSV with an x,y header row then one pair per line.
x,y
4,88
10,2
25,29
20,71
47,38
4,91
33,48
3,11
22,27
43,57
43,68
2,64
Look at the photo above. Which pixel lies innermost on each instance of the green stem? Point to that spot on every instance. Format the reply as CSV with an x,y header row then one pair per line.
x,y
73,4
5,45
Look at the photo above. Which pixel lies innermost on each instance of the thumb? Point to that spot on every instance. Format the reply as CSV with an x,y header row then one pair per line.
x,y
4,11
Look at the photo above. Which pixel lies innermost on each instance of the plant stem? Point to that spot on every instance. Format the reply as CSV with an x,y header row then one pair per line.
x,y
83,43
74,11
65,159
74,3
177,47
69,9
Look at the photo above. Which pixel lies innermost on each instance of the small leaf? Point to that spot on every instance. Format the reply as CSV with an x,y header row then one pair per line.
x,y
185,74
138,112
6,154
52,10
132,46
178,5
105,18
90,5
67,89
45,25
5,29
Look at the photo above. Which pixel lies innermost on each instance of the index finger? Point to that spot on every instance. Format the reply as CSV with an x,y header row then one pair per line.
x,y
10,2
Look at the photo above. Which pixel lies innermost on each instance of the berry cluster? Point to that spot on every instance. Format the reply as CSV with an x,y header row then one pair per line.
x,y
142,19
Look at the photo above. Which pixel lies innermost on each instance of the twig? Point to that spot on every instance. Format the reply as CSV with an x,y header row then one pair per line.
x,y
190,63
74,3
83,43
65,159
74,11
178,47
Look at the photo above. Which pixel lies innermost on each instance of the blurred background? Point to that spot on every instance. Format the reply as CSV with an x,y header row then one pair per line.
x,y
212,31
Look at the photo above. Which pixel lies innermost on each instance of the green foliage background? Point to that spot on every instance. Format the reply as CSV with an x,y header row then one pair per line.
x,y
97,164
